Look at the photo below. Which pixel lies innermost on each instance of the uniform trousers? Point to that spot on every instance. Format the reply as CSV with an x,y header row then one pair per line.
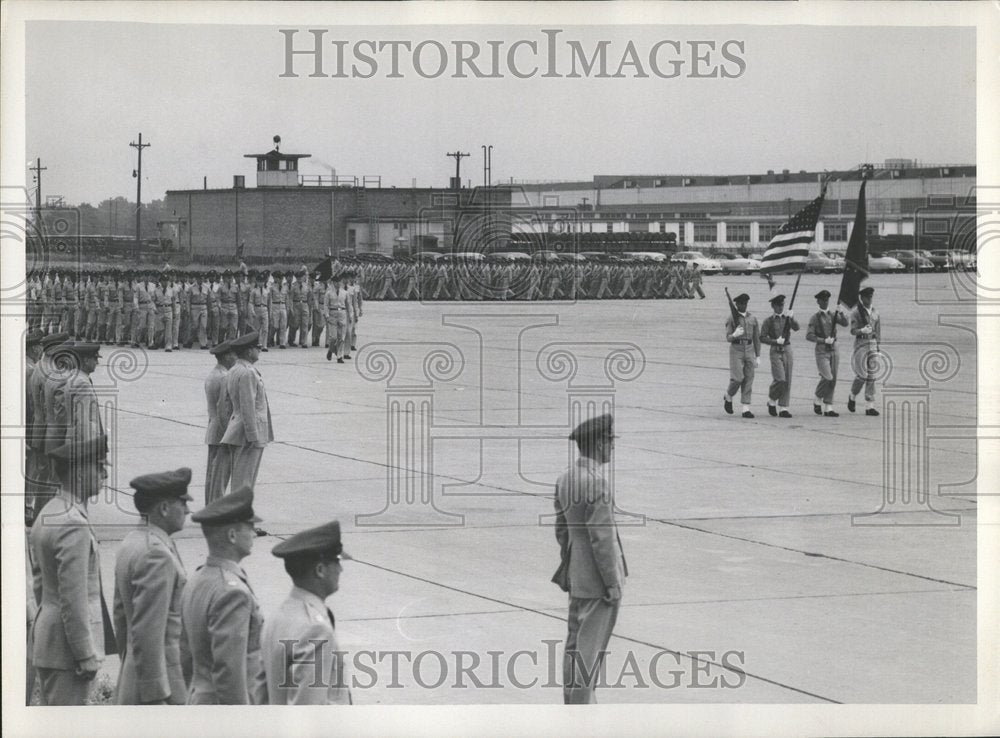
x,y
245,465
293,321
336,332
230,323
261,325
213,325
305,323
62,687
827,360
864,361
176,333
317,326
199,324
742,363
279,324
220,469
589,627
781,373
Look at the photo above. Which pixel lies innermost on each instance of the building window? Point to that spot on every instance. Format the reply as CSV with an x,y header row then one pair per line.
x,y
550,201
609,228
705,232
737,232
834,231
936,227
657,183
871,229
766,231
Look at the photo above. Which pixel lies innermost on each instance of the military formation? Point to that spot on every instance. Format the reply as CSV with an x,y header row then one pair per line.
x,y
745,336
171,309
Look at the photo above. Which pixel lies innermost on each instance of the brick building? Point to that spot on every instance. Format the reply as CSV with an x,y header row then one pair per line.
x,y
288,214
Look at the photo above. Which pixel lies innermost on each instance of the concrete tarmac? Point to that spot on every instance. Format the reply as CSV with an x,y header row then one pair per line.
x,y
768,563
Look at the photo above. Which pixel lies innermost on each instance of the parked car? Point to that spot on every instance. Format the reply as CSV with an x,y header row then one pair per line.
x,y
818,263
911,260
461,256
838,258
600,257
880,263
545,256
734,264
373,257
962,259
645,256
696,258
939,258
572,257
508,257
427,256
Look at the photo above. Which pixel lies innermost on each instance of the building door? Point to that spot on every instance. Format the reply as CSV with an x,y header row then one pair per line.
x,y
352,239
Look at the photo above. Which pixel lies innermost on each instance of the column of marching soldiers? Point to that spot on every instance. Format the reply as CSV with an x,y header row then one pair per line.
x,y
169,309
181,641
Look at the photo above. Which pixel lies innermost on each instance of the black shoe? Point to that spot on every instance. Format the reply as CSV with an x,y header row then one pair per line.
x,y
347,356
263,349
329,355
302,345
260,532
772,411
747,414
204,348
282,347
871,411
340,361
784,414
850,404
167,350
818,409
727,405
831,414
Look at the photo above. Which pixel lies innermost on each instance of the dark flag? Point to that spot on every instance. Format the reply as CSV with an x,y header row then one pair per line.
x,y
325,269
788,250
856,260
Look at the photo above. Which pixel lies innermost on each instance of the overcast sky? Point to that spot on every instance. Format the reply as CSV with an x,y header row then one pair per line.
x,y
809,98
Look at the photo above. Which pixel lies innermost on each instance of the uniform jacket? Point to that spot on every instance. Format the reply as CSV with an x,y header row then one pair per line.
x,y
66,568
591,551
223,622
83,410
250,423
55,409
773,328
215,387
821,327
304,619
149,579
751,331
860,319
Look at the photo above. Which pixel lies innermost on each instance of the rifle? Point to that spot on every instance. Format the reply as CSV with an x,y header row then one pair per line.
x,y
733,311
786,329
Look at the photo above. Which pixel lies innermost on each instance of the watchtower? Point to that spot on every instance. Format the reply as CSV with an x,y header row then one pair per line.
x,y
275,169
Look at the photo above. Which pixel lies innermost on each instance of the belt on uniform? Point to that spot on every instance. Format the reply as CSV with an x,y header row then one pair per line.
x,y
743,341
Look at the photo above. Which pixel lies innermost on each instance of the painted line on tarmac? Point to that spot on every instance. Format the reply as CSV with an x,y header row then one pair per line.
x,y
814,554
515,607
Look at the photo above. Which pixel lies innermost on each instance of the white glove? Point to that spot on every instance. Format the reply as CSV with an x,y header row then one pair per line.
x,y
829,341
780,341
867,330
789,313
756,361
738,332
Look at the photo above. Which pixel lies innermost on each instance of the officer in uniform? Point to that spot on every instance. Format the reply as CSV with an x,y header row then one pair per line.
x,y
249,428
221,615
316,305
301,295
34,420
128,308
229,313
772,332
866,327
335,316
354,290
220,408
149,579
743,335
214,313
592,563
42,478
260,302
291,306
822,331
278,295
72,629
144,324
243,287
81,408
302,661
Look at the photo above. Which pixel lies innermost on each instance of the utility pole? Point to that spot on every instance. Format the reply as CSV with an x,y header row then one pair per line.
x,y
38,169
458,156
138,192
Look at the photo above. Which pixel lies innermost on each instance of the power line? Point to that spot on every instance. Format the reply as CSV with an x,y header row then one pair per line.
x,y
138,191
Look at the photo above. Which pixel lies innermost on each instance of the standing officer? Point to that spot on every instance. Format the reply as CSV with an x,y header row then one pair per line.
x,y
221,615
743,335
243,287
212,300
302,661
42,476
198,306
260,303
357,301
72,630
335,316
128,308
278,295
822,331
220,408
81,408
866,327
149,579
772,332
316,306
249,428
34,421
301,299
163,298
592,568
292,306
229,313
144,325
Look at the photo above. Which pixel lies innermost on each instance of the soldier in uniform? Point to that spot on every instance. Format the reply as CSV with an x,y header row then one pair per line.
x,y
128,308
592,563
229,313
178,303
354,290
42,477
335,316
260,303
743,335
34,421
249,428
214,313
72,629
822,331
198,301
866,327
302,662
144,325
149,579
243,288
220,409
278,295
221,615
81,408
316,305
772,332
291,308
163,298
301,294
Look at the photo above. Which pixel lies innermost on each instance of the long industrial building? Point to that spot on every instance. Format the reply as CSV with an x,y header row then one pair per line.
x,y
289,214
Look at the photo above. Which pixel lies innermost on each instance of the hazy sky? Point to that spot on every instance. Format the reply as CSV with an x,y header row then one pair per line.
x,y
809,98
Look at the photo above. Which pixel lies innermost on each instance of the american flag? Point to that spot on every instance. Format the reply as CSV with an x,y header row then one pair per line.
x,y
789,248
